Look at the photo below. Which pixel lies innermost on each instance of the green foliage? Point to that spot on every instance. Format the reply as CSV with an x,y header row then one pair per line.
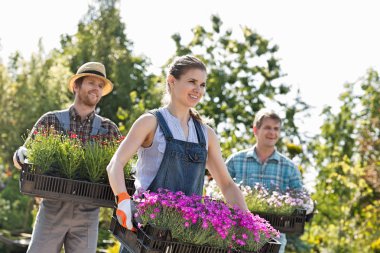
x,y
27,90
96,157
15,208
70,155
296,244
243,76
66,156
105,238
42,151
375,246
30,90
348,202
101,37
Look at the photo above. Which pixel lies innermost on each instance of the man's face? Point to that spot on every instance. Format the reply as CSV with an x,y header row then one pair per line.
x,y
91,90
268,133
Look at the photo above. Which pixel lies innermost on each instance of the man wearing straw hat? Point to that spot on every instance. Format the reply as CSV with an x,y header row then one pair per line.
x,y
67,223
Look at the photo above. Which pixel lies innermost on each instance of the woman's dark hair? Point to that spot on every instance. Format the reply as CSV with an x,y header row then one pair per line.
x,y
183,63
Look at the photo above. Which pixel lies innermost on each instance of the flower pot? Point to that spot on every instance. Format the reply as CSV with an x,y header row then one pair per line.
x,y
152,239
288,224
51,187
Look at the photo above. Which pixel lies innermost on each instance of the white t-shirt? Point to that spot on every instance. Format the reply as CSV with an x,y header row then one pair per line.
x,y
149,159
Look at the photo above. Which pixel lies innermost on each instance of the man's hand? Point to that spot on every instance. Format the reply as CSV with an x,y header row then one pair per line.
x,y
123,211
310,206
20,156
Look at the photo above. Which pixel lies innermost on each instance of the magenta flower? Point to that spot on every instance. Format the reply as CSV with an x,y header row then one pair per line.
x,y
202,220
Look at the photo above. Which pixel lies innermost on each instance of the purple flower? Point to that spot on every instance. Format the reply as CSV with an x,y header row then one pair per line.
x,y
197,219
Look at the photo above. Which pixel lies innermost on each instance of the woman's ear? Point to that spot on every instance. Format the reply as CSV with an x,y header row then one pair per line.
x,y
170,80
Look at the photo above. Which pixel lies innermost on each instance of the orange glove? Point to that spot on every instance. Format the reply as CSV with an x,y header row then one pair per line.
x,y
123,211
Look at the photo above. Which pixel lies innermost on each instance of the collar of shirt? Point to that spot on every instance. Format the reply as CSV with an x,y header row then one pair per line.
x,y
252,153
75,115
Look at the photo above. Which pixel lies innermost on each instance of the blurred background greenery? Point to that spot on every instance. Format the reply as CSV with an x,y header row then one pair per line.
x,y
244,75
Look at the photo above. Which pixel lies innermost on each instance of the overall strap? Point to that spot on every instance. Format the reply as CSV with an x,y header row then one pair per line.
x,y
64,119
200,135
162,123
96,129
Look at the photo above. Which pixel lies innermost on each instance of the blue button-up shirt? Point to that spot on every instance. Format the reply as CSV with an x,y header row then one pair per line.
x,y
277,172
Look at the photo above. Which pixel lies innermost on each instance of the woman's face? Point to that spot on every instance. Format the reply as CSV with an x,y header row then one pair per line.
x,y
189,88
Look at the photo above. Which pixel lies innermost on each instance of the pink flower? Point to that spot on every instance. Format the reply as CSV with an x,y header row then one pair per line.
x,y
205,225
195,218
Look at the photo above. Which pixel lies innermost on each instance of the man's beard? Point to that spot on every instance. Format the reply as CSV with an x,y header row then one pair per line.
x,y
85,99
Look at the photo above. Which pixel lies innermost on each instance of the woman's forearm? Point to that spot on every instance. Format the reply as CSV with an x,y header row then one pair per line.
x,y
116,176
234,196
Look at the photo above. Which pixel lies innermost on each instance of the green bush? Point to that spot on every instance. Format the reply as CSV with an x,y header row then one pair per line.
x,y
16,209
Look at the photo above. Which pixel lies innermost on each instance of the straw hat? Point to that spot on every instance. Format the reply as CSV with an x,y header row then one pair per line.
x,y
92,69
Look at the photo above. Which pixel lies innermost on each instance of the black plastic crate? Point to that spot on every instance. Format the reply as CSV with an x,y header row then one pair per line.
x,y
125,236
156,240
50,187
288,224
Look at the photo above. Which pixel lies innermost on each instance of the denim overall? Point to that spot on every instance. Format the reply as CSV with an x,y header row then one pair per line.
x,y
66,222
183,165
64,120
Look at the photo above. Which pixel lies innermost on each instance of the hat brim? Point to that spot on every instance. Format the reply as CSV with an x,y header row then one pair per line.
x,y
108,86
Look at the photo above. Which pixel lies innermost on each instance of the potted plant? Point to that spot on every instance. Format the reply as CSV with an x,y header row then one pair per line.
x,y
180,223
285,211
64,167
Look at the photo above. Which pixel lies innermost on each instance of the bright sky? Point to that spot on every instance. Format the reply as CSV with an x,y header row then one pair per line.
x,y
323,44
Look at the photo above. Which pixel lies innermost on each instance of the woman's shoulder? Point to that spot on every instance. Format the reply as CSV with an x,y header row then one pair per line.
x,y
210,130
146,120
211,136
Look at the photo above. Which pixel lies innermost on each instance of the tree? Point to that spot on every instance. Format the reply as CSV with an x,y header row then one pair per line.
x,y
244,75
31,89
101,37
348,203
28,90
369,133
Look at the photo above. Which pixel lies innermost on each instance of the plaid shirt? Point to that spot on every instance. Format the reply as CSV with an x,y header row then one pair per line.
x,y
277,172
81,128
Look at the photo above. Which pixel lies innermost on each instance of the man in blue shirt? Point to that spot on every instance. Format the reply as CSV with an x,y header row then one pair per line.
x,y
262,163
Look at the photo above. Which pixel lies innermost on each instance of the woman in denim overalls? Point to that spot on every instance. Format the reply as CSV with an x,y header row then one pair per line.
x,y
174,145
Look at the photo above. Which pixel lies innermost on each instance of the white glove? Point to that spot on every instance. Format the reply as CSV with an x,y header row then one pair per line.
x,y
310,206
20,157
123,211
